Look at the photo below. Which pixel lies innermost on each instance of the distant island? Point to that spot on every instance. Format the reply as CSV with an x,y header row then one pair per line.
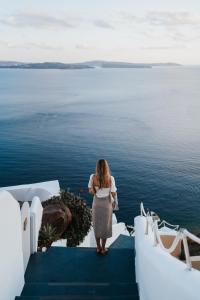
x,y
83,65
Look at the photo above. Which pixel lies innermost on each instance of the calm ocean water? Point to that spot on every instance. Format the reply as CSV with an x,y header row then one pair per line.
x,y
146,122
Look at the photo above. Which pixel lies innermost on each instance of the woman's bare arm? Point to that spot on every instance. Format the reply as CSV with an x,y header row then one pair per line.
x,y
91,191
113,194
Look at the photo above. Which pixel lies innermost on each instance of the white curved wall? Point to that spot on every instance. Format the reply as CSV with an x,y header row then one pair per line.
x,y
11,256
160,275
43,190
36,211
25,221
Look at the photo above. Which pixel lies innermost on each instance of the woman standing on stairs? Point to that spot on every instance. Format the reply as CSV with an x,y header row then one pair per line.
x,y
102,186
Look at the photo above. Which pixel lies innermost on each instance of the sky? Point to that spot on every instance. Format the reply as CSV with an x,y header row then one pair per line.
x,y
118,30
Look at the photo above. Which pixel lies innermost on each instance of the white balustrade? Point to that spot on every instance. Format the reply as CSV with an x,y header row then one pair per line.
x,y
159,274
11,254
36,221
25,228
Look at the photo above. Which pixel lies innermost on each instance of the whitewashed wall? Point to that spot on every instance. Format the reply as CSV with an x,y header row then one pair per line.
x,y
25,222
160,275
36,220
11,256
26,192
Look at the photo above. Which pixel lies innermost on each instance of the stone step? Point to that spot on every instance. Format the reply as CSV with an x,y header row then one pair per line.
x,y
123,242
78,297
60,264
81,289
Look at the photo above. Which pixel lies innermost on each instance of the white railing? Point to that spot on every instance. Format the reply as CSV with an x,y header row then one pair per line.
x,y
25,220
36,221
189,259
164,223
181,235
142,210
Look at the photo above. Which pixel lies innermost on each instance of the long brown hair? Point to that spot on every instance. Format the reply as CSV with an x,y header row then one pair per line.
x,y
102,175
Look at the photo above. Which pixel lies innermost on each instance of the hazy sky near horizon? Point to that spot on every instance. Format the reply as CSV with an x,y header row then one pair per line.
x,y
73,31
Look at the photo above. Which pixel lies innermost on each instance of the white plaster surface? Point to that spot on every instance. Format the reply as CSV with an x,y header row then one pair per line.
x,y
25,228
26,192
60,243
36,211
11,255
160,275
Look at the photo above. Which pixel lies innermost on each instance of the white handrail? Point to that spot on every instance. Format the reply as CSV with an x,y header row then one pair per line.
x,y
187,252
142,210
182,235
168,224
191,236
175,242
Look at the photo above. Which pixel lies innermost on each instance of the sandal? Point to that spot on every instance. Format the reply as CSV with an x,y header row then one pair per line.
x,y
98,250
104,252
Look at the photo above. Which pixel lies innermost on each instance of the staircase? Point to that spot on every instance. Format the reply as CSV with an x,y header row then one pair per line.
x,y
81,274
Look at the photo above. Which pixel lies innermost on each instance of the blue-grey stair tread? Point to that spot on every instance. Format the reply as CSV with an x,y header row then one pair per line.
x,y
81,264
27,298
47,289
123,241
78,297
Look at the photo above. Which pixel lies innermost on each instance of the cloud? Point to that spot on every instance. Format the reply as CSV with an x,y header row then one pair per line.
x,y
172,18
174,35
45,21
8,44
173,47
36,20
103,24
84,47
179,27
31,45
130,18
44,46
164,18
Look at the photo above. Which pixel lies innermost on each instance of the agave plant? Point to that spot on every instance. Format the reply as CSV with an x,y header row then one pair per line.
x,y
47,236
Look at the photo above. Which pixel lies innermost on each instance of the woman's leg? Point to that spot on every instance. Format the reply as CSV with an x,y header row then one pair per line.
x,y
98,244
104,245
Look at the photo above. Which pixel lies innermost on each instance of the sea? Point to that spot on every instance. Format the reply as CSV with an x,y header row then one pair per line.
x,y
55,124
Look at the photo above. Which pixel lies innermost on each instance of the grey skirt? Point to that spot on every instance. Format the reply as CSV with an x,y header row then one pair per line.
x,y
102,217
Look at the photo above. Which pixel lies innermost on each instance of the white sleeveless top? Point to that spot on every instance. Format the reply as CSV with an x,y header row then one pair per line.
x,y
103,192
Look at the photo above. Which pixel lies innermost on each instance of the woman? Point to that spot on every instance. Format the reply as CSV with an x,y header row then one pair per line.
x,y
102,185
